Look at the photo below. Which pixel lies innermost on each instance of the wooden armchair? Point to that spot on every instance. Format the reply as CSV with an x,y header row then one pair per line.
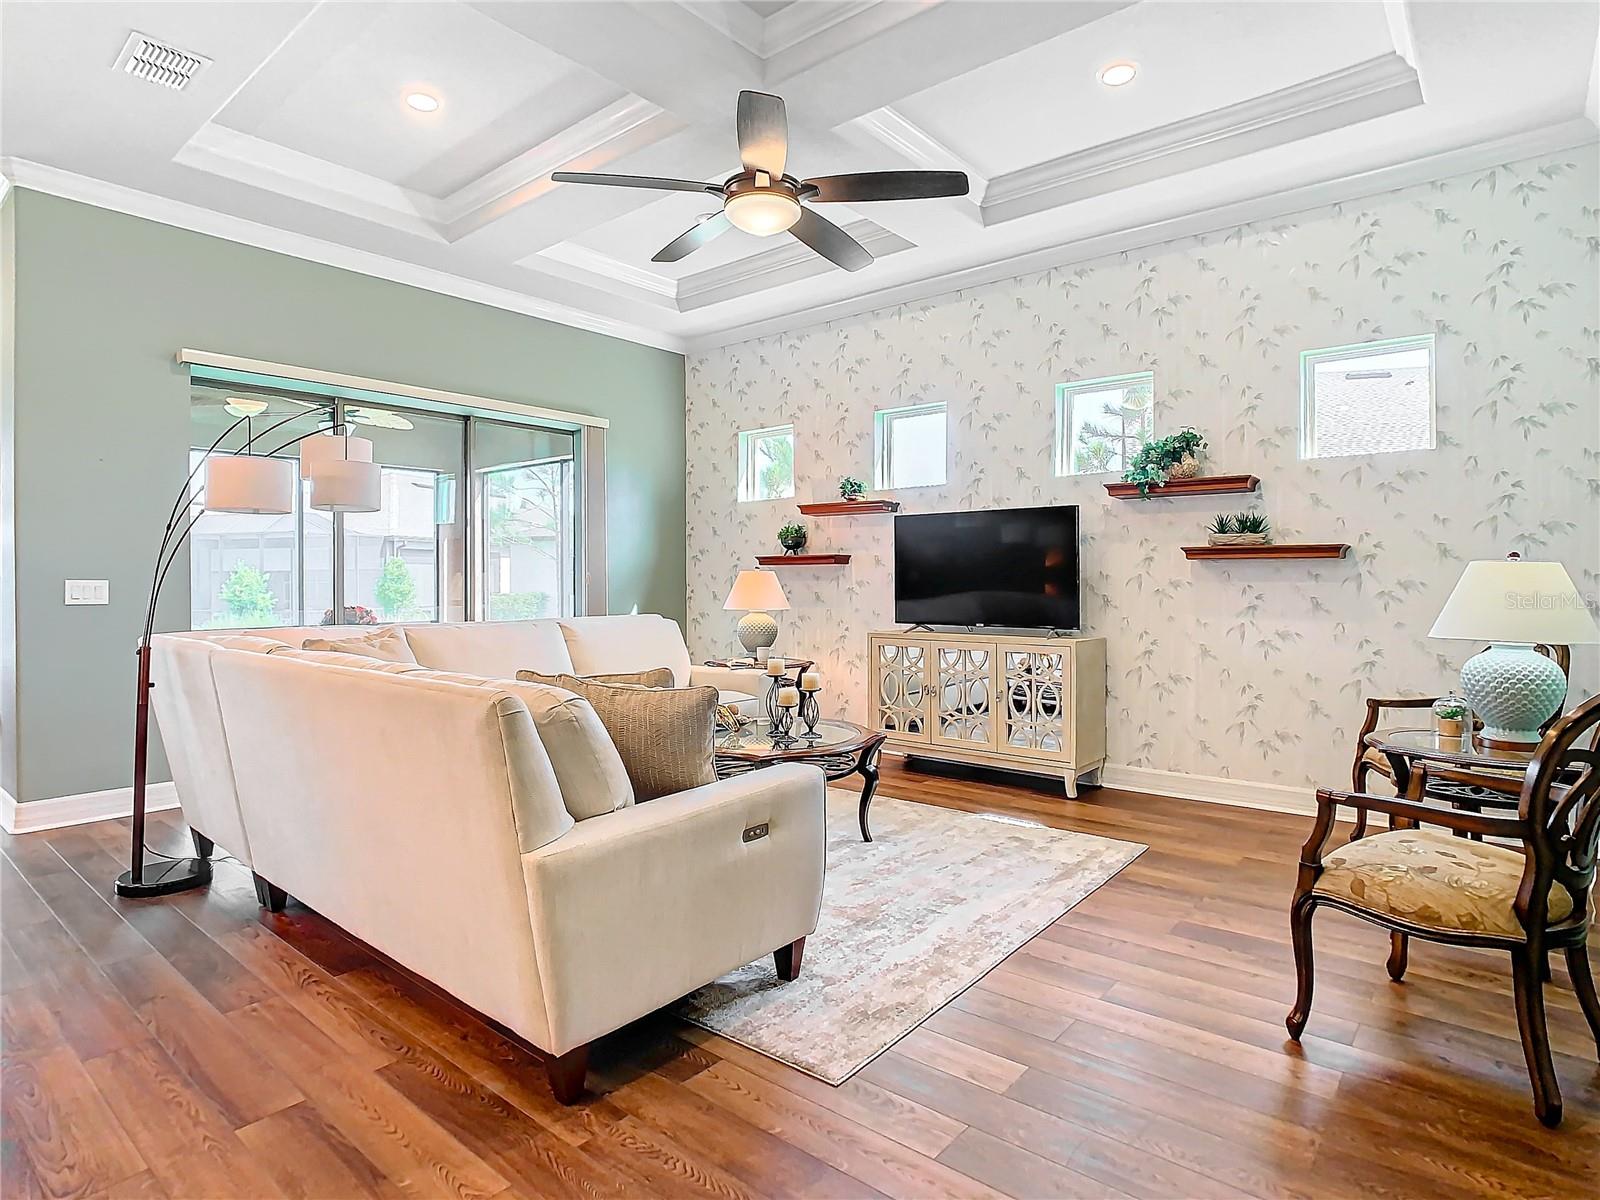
x,y
1368,760
1419,882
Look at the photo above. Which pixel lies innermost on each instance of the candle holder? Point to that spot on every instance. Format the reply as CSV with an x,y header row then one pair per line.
x,y
771,705
810,713
782,723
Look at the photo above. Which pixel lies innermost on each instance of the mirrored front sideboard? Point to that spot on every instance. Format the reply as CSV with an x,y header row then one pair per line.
x,y
1024,703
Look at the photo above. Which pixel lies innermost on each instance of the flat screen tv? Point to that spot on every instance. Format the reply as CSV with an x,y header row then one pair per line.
x,y
1015,567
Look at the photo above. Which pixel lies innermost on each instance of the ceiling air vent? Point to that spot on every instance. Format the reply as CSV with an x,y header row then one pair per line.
x,y
154,61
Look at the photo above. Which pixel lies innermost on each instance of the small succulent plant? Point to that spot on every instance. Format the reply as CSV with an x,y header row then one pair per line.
x,y
1222,523
1450,712
852,488
1250,522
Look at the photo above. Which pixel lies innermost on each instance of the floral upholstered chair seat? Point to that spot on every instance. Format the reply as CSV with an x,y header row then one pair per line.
x,y
1429,878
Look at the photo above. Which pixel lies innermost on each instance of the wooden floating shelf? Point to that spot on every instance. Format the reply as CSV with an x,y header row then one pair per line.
x,y
849,508
1280,550
802,560
1200,485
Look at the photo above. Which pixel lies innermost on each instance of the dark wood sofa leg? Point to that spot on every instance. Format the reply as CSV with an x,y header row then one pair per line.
x,y
269,896
203,846
566,1073
787,959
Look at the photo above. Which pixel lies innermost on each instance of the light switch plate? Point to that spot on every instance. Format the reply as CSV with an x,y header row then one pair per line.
x,y
88,591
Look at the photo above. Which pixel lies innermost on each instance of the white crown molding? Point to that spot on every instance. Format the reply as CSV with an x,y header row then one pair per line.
x,y
594,262
80,809
905,137
117,198
1374,88
256,162
789,27
1335,190
783,263
740,25
620,128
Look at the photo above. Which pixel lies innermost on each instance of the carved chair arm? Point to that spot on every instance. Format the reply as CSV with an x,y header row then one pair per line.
x,y
1375,707
1329,803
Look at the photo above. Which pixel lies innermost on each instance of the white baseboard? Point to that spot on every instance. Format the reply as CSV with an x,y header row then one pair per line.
x,y
1212,789
1209,789
82,808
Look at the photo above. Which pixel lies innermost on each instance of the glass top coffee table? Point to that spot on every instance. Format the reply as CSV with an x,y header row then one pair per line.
x,y
840,748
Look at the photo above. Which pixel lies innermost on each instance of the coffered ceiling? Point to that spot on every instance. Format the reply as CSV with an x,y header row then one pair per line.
x,y
296,133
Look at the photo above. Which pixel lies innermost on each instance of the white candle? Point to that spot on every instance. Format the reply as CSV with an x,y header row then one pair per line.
x,y
775,667
811,682
788,697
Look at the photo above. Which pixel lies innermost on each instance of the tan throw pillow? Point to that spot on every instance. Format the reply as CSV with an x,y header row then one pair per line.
x,y
390,645
656,677
666,736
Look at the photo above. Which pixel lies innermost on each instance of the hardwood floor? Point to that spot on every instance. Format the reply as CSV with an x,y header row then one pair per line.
x,y
200,1047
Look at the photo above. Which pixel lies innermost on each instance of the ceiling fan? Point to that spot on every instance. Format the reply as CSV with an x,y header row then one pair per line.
x,y
762,200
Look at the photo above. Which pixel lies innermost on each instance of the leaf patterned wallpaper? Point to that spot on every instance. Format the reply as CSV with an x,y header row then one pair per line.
x,y
1253,671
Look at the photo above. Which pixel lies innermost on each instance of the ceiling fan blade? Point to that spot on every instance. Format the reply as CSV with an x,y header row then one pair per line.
x,y
638,181
828,240
690,240
763,125
888,185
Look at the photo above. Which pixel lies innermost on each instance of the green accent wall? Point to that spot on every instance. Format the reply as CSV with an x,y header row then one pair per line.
x,y
98,430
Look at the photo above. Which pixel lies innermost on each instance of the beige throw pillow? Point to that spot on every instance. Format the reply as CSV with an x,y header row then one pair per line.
x,y
588,769
656,677
389,645
666,736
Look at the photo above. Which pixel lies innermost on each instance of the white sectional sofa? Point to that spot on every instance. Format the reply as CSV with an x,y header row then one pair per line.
x,y
462,822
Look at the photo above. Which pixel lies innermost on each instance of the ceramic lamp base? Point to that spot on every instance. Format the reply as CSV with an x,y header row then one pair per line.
x,y
1515,689
757,631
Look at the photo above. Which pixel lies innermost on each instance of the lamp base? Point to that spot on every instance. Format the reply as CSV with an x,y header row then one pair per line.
x,y
162,877
1515,689
757,631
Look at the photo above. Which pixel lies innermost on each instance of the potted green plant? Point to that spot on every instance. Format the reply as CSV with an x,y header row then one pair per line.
x,y
1451,714
1238,529
1175,457
852,488
792,537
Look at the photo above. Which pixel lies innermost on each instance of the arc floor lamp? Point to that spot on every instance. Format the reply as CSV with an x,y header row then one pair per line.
x,y
343,479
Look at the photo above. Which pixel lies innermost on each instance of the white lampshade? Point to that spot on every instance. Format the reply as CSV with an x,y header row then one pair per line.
x,y
248,483
756,591
347,486
1516,601
332,447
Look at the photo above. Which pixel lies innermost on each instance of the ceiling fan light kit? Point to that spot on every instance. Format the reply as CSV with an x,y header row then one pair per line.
x,y
762,200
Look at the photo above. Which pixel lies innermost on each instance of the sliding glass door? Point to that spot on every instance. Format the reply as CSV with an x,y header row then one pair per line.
x,y
479,519
406,562
524,484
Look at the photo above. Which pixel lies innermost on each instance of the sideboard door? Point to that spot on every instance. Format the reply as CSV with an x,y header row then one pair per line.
x,y
901,691
1036,700
963,699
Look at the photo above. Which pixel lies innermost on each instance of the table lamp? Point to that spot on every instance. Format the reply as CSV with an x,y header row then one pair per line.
x,y
755,592
1513,605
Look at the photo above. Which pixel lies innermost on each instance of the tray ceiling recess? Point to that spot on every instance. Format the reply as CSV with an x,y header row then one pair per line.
x,y
419,141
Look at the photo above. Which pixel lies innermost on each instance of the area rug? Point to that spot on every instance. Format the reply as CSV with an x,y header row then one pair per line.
x,y
909,921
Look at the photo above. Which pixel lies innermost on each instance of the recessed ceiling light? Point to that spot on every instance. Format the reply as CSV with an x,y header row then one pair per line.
x,y
1118,73
422,101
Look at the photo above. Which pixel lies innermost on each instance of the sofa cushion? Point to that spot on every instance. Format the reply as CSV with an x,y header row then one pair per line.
x,y
636,641
390,645
666,736
657,677
492,649
248,641
588,769
334,658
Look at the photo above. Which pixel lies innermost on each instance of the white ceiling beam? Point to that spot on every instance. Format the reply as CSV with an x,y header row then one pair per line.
x,y
896,49
656,51
1380,86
